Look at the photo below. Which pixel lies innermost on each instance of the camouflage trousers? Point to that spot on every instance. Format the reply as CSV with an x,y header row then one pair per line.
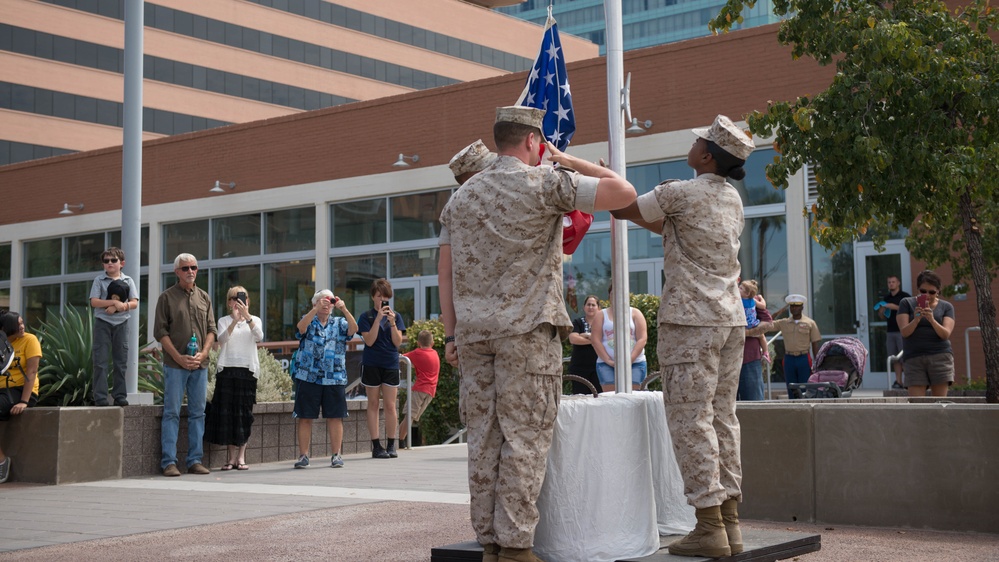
x,y
700,367
509,394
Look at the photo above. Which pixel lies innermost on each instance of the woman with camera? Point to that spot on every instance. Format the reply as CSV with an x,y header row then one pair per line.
x,y
926,323
236,373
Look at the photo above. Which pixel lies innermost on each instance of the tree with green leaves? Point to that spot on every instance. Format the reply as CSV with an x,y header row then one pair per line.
x,y
905,137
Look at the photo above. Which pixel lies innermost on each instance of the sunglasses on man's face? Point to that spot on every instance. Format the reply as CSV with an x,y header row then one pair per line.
x,y
186,268
110,260
931,291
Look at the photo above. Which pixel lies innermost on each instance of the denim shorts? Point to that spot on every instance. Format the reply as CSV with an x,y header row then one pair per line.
x,y
606,373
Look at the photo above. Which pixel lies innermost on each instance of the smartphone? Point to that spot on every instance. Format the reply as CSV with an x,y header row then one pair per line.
x,y
385,303
241,297
923,300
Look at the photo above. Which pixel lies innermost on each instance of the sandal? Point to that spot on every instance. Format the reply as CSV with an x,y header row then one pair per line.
x,y
227,466
242,466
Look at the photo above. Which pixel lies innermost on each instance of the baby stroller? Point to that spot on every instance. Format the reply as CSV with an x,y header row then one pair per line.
x,y
837,370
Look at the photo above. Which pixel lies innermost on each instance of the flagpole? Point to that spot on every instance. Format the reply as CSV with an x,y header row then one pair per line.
x,y
619,229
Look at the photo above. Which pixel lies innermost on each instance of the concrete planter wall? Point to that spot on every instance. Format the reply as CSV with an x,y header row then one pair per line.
x,y
922,466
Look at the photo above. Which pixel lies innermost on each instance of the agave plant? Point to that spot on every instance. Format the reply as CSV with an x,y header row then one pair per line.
x,y
65,376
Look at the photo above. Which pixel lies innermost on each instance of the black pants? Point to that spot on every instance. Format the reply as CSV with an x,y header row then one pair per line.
x,y
11,396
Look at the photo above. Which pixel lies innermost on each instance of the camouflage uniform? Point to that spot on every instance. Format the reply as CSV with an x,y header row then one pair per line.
x,y
701,331
504,227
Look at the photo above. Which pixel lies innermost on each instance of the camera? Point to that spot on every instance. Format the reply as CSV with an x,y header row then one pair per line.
x,y
333,300
241,297
922,301
385,303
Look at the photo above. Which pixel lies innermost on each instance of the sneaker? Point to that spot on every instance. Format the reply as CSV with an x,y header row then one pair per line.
x,y
121,402
303,461
4,470
895,385
337,461
171,470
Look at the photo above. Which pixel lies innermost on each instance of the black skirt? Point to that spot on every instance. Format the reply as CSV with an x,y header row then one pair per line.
x,y
230,415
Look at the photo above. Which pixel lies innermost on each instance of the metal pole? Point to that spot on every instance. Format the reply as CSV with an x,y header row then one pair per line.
x,y
409,400
619,229
131,179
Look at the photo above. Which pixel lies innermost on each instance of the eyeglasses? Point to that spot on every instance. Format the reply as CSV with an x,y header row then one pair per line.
x,y
931,291
110,260
186,268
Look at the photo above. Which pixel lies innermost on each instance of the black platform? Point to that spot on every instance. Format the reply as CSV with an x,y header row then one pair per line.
x,y
760,545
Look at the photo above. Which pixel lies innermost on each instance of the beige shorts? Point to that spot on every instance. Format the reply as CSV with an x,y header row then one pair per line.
x,y
420,402
929,370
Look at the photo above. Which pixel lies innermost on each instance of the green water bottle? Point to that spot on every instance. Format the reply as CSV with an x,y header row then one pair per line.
x,y
192,346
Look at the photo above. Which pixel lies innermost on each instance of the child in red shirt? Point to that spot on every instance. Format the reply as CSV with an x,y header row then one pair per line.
x,y
427,364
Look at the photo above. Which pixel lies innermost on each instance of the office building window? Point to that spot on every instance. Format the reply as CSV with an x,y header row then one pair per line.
x,y
236,236
185,238
417,216
290,230
359,222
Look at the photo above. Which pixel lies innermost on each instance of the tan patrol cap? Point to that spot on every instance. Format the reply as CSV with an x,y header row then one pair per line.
x,y
473,158
730,138
530,116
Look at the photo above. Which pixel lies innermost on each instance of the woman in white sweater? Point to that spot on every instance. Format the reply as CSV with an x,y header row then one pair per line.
x,y
238,368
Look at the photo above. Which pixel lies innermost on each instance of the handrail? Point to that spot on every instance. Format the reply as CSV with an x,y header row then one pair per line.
x,y
403,360
888,371
770,388
967,349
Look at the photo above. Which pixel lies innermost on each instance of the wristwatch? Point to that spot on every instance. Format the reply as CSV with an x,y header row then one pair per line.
x,y
448,339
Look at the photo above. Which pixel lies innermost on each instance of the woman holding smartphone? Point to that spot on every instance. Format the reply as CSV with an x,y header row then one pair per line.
x,y
382,329
926,323
231,415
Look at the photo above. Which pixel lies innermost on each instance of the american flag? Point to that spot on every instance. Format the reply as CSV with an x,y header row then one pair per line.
x,y
548,88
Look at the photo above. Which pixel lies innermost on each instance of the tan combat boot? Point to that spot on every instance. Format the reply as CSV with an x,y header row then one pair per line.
x,y
517,555
708,537
730,516
490,552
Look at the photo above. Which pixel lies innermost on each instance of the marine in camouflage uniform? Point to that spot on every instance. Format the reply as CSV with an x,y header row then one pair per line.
x,y
702,330
501,292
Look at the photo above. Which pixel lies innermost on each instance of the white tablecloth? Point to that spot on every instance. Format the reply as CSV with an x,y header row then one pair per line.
x,y
613,485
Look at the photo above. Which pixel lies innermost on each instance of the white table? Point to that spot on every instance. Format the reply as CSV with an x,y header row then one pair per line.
x,y
613,485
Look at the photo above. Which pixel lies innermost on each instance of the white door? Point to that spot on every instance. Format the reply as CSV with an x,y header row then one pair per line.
x,y
416,298
872,269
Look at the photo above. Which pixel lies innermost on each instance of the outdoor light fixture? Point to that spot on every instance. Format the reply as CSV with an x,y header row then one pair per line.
x,y
401,162
67,209
637,128
220,187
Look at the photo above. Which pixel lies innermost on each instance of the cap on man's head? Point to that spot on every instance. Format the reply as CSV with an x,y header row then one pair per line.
x,y
530,116
730,138
795,299
473,158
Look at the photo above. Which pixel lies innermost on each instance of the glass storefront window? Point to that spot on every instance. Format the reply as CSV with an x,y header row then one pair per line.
x,y
415,217
414,263
288,289
4,262
143,245
185,238
763,257
236,236
359,222
78,296
225,277
83,252
352,278
290,230
41,303
834,302
4,299
755,188
43,257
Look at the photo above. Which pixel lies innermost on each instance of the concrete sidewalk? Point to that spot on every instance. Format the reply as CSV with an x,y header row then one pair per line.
x,y
372,509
